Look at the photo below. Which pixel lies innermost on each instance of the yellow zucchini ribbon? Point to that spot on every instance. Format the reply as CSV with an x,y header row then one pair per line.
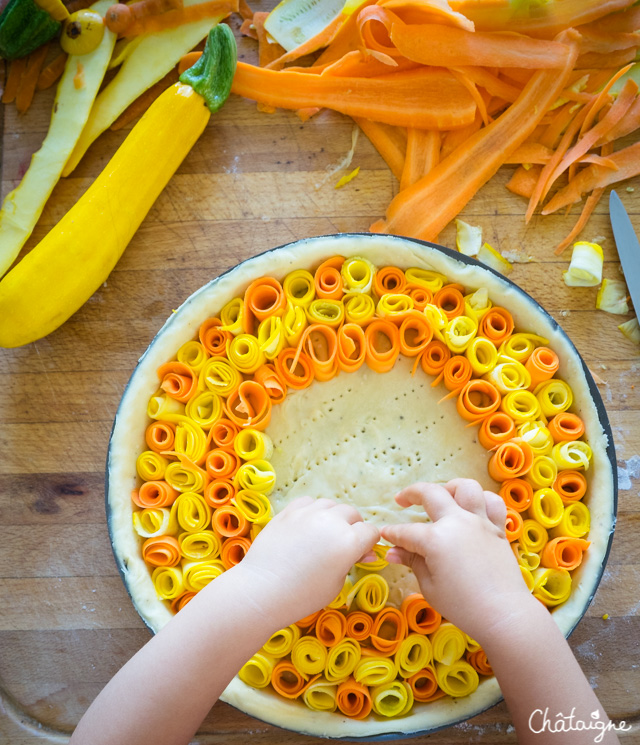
x,y
251,444
152,521
192,353
551,586
271,337
168,582
201,546
533,537
232,316
370,593
520,346
372,671
299,287
357,274
255,475
358,308
309,656
257,671
254,505
509,376
555,396
244,353
449,643
521,406
393,305
458,679
575,522
321,696
198,574
186,478
547,508
459,333
392,699
219,376
425,278
414,654
328,312
543,472
572,455
281,643
192,512
205,409
482,355
342,660
151,466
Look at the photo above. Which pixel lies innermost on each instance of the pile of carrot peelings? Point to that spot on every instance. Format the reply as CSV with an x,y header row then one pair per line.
x,y
449,91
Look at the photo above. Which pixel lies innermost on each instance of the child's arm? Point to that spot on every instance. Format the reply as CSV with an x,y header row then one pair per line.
x,y
296,565
468,572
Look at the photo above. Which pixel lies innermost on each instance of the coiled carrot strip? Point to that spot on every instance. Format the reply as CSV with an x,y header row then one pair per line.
x,y
511,460
352,347
564,553
450,300
421,296
420,616
389,279
222,463
178,380
456,374
571,486
268,376
161,551
213,338
496,429
223,433
425,686
321,345
177,604
298,375
353,699
517,494
154,494
234,550
542,365
219,492
513,525
263,298
160,435
288,681
434,358
308,621
415,334
359,625
566,426
331,627
383,345
478,660
497,325
250,405
230,522
478,399
389,629
328,280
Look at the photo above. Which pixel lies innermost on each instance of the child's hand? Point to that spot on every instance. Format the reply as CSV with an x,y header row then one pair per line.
x,y
462,560
299,562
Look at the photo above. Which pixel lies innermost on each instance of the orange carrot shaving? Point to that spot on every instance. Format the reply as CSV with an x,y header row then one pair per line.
x,y
177,604
328,280
390,142
51,73
434,358
308,621
213,338
154,494
566,427
383,344
119,18
531,152
29,78
542,365
263,298
421,296
524,181
589,207
511,460
490,82
219,492
497,325
320,40
178,380
352,347
331,627
229,522
161,551
142,103
571,486
268,376
296,376
457,373
496,429
450,301
389,279
415,334
160,436
359,625
174,18
250,405
354,699
424,686
478,660
321,345
513,525
288,681
423,153
420,616
223,433
244,10
222,462
564,553
428,11
268,50
517,494
389,630
234,550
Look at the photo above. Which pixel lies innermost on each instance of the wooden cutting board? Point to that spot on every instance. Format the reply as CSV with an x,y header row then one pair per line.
x,y
253,181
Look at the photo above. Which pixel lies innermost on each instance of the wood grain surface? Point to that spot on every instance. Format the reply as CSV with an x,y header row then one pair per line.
x,y
253,181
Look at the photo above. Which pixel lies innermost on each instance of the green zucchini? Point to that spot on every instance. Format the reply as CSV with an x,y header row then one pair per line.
x,y
24,27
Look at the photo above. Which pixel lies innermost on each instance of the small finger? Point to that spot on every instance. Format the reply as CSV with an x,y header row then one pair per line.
x,y
435,499
413,537
496,509
468,494
367,535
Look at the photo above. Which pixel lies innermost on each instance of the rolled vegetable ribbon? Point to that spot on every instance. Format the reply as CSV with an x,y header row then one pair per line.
x,y
574,455
478,399
513,525
331,627
185,475
511,460
309,655
160,405
287,681
177,604
232,316
389,279
496,325
496,429
482,355
566,426
234,550
281,643
202,546
244,353
256,475
551,586
222,463
352,347
421,617
527,576
275,386
229,522
328,280
192,512
509,376
415,334
370,593
394,306
379,562
299,287
449,643
294,322
193,354
308,622
383,345
213,337
321,695
389,629
479,662
521,406
520,346
190,440
223,433
542,365
151,466
478,303
219,492
564,553
472,644
271,337
517,494
353,699
433,281
437,320
534,536
372,671
161,551
250,405
153,521
296,376
251,444
160,436
257,671
413,654
537,435
263,298
219,376
168,582
434,358
178,380
425,685
321,345
421,296
527,559
359,625
357,274
555,396
459,333
575,522
340,601
392,699
255,506
457,373
205,409
342,660
450,301
543,472
326,312
198,574
154,494
457,679
359,308
571,486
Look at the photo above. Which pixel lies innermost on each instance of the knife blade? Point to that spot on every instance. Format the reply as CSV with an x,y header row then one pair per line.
x,y
628,247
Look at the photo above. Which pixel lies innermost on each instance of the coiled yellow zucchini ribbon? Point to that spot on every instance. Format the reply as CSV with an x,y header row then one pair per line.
x,y
251,444
255,475
329,312
520,346
370,593
255,506
458,679
533,537
373,671
546,508
205,409
198,574
185,478
472,644
257,671
153,521
192,353
294,322
393,305
551,586
521,406
572,455
392,699
321,696
357,274
482,355
341,598
527,576
414,653
168,582
575,522
437,320
555,396
299,287
232,316
459,332
271,337
192,512
425,278
160,405
151,466
543,472
190,440
509,376
380,551
538,437
359,308
281,643
477,303
342,660
244,353
527,559
219,376
202,546
449,643
309,655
